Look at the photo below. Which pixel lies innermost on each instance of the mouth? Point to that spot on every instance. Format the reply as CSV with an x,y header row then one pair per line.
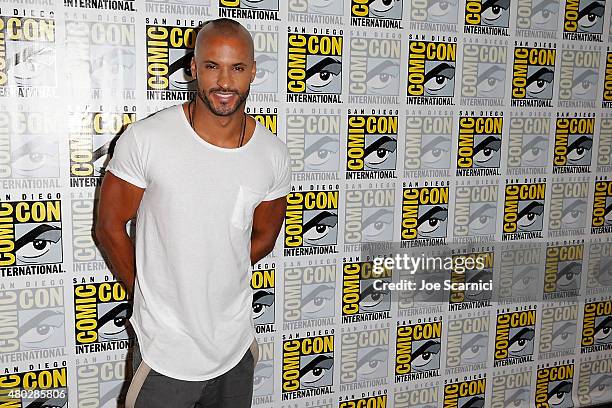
x,y
224,96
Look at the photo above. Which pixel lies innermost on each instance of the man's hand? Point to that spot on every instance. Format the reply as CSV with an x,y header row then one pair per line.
x,y
119,202
267,221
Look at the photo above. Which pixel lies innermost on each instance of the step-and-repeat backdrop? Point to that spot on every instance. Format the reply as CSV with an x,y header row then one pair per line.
x,y
483,127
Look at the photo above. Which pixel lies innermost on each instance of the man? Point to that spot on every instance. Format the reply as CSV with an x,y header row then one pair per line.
x,y
208,184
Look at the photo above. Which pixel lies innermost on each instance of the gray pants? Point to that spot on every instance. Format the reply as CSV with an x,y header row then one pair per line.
x,y
233,389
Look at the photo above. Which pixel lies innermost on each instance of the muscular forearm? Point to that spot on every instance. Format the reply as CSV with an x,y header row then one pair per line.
x,y
120,250
260,247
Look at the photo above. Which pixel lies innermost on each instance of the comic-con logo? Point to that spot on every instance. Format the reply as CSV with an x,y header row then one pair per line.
x,y
523,211
431,72
371,146
363,297
599,276
378,401
169,53
583,20
365,355
563,270
433,15
470,393
573,143
484,73
468,289
101,313
262,283
607,85
42,388
421,396
309,294
594,381
268,117
490,17
537,18
100,384
264,87
120,5
553,386
311,222
512,389
514,337
369,215
263,377
249,9
374,70
313,141
578,78
479,145
533,75
558,330
428,144
90,140
424,213
314,68
475,213
31,234
520,271
417,350
568,207
601,221
528,141
307,366
604,148
28,60
377,13
33,320
596,326
467,342
29,147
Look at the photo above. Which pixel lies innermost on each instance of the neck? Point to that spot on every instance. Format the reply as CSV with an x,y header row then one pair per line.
x,y
223,131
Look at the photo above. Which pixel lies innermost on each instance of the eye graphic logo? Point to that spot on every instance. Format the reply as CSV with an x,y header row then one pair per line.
x,y
573,143
266,59
579,77
307,366
314,143
34,232
513,389
101,314
607,85
249,9
314,68
514,337
428,144
596,327
533,75
263,378
568,207
369,215
101,384
371,145
465,394
26,389
169,53
484,72
594,383
434,15
467,344
309,295
489,17
365,355
377,13
318,7
537,16
28,59
475,212
523,211
417,351
431,72
311,223
424,213
583,20
563,271
528,144
359,295
262,283
479,150
601,222
599,277
461,299
554,386
520,271
374,70
558,331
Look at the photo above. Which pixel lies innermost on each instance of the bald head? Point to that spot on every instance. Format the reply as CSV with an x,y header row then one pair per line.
x,y
224,28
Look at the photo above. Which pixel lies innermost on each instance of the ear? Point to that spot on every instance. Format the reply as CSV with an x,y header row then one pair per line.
x,y
253,70
193,67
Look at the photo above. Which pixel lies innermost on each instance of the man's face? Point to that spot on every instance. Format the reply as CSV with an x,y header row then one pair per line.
x,y
225,69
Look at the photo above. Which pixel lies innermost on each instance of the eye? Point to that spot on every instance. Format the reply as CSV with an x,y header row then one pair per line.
x,y
379,151
590,15
263,373
545,15
559,393
481,217
584,82
41,327
438,77
320,153
521,340
315,370
266,68
318,299
370,297
436,151
600,387
533,151
567,276
579,148
474,347
603,331
486,150
490,79
320,226
377,223
37,242
494,11
522,280
382,76
538,82
530,214
322,73
372,362
32,61
564,335
440,8
262,300
114,321
425,354
382,6
429,222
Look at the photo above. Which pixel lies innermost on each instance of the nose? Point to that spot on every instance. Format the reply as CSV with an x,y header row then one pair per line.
x,y
223,78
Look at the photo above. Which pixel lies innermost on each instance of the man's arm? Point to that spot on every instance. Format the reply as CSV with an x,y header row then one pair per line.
x,y
119,202
267,221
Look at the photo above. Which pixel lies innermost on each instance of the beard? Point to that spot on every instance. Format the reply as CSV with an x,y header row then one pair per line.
x,y
223,109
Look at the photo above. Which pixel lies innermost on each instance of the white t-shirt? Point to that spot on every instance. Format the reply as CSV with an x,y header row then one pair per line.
x,y
192,295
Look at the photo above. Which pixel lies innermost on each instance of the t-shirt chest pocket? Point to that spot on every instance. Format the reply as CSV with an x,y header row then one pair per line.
x,y
246,201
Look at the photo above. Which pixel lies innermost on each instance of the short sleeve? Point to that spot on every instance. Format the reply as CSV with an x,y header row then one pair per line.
x,y
127,161
282,178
